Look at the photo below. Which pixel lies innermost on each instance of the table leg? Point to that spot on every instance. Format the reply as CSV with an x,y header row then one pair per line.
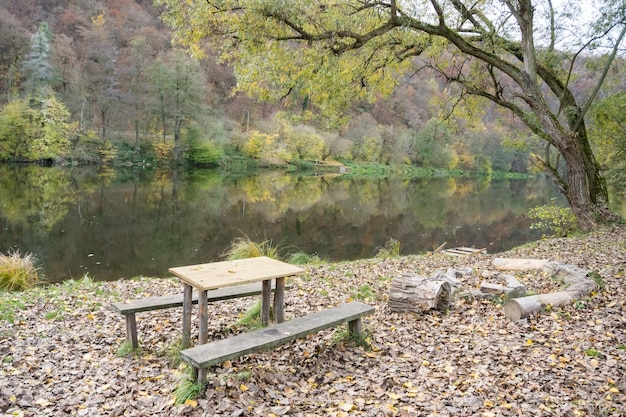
x,y
279,300
203,312
265,302
187,300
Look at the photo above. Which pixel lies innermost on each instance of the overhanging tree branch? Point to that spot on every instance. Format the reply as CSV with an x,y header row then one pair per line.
x,y
605,71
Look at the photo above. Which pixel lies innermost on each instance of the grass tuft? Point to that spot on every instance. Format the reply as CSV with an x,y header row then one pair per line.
x,y
188,387
251,319
18,272
363,339
126,349
172,352
302,258
390,250
244,248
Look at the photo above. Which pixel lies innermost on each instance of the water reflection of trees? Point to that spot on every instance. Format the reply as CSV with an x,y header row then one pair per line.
x,y
36,196
145,222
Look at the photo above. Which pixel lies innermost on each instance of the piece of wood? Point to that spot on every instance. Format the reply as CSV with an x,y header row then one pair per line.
x,y
578,285
204,356
515,264
464,251
414,293
490,288
440,247
519,308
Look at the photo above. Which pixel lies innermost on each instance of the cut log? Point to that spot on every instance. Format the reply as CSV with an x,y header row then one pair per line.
x,y
512,264
519,308
416,294
578,285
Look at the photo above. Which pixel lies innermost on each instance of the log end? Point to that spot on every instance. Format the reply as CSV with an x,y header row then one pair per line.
x,y
518,308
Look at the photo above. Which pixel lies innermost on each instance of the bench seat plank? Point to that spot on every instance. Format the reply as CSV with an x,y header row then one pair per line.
x,y
176,300
206,355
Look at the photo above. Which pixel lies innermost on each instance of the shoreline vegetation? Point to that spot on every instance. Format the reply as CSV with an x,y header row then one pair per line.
x,y
242,165
61,348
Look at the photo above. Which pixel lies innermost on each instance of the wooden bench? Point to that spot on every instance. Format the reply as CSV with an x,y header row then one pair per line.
x,y
204,356
130,308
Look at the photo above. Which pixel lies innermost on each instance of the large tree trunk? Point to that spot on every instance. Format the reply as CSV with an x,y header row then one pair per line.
x,y
584,187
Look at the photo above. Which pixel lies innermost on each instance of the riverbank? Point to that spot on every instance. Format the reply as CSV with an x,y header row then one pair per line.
x,y
58,348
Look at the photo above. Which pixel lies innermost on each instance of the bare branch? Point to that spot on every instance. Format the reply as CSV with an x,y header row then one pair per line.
x,y
593,95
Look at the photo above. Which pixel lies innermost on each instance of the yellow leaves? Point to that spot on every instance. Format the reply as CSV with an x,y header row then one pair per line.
x,y
191,403
98,21
152,378
243,388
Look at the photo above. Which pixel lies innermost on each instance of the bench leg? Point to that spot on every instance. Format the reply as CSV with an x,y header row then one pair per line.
x,y
187,301
265,302
279,300
131,330
355,327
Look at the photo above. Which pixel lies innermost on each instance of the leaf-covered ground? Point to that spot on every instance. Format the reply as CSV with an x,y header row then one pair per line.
x,y
58,348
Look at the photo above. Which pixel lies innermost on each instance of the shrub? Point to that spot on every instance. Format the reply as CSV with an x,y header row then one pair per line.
x,y
205,154
163,151
129,153
559,220
259,145
18,272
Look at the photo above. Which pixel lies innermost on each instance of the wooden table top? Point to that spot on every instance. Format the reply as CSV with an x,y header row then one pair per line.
x,y
215,275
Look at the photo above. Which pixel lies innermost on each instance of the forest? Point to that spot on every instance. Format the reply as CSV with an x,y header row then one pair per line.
x,y
101,82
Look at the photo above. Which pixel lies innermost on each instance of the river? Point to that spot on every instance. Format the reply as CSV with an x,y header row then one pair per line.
x,y
113,224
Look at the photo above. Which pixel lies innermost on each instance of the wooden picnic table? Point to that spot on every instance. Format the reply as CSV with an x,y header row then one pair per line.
x,y
211,276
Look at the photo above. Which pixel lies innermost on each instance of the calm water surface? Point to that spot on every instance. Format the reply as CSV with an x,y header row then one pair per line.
x,y
111,225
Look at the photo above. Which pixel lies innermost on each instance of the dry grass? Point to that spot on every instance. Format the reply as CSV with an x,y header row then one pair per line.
x,y
18,272
243,248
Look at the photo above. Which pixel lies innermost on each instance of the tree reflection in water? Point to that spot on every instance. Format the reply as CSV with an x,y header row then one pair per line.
x,y
124,224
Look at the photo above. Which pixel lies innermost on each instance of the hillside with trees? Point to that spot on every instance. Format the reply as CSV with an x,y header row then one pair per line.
x,y
101,82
